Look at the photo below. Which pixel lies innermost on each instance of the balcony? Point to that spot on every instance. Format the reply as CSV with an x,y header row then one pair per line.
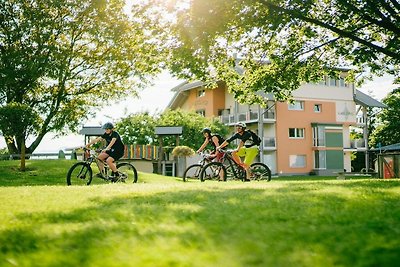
x,y
358,144
248,117
360,120
269,143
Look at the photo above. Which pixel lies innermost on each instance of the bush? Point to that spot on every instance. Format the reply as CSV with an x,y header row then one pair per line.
x,y
182,151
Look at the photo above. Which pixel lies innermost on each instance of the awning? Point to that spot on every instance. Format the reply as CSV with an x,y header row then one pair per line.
x,y
365,100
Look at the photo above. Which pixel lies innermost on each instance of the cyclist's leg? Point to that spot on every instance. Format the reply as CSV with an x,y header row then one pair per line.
x,y
236,155
250,155
112,157
102,158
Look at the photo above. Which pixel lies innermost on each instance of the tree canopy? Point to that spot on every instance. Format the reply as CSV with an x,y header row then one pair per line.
x,y
139,128
388,122
65,58
281,44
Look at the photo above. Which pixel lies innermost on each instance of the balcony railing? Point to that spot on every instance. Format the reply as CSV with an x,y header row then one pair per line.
x,y
360,120
269,142
358,143
249,116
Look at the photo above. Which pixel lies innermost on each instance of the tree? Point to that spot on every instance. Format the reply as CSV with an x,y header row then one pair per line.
x,y
192,123
17,121
387,129
281,44
65,58
137,129
140,128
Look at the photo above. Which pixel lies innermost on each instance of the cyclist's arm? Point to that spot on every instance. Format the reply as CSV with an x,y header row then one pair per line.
x,y
93,142
227,141
203,146
224,144
241,143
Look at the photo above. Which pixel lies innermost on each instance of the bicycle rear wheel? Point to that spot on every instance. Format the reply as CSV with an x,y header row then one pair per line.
x,y
127,172
213,171
79,174
192,173
260,171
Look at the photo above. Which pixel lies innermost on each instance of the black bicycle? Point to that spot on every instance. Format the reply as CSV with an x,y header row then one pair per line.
x,y
228,169
192,173
81,173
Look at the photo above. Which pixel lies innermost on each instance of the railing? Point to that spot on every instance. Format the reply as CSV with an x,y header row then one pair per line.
x,y
358,143
360,120
269,115
269,142
249,116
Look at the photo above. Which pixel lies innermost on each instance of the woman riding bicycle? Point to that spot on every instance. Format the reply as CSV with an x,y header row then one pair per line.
x,y
247,148
113,151
214,140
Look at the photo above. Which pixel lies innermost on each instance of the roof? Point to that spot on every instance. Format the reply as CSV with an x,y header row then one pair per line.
x,y
180,95
92,130
365,100
393,147
168,130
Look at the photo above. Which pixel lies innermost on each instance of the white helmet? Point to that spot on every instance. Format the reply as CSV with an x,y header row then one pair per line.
x,y
241,124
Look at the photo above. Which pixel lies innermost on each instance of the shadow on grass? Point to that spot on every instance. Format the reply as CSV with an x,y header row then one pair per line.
x,y
236,227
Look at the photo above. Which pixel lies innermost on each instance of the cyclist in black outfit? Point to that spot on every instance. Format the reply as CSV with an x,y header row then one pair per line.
x,y
114,149
214,140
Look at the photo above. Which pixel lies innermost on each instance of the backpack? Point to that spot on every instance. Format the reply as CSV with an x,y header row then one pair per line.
x,y
255,137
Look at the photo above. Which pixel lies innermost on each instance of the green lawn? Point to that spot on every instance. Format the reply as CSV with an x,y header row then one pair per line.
x,y
161,221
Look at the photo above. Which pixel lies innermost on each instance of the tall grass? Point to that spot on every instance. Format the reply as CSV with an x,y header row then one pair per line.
x,y
162,221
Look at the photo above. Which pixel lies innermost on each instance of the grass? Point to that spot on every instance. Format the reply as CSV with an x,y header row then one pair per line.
x,y
161,221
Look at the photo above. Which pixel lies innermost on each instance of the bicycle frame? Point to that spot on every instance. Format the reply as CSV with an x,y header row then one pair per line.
x,y
231,163
92,157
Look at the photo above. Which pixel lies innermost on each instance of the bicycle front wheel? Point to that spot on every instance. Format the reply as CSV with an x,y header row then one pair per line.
x,y
80,174
127,172
192,173
213,171
260,171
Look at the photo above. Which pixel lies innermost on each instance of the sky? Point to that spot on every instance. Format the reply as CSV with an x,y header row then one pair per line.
x,y
155,99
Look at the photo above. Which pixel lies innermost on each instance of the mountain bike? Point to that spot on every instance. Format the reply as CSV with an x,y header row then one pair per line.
x,y
192,173
81,173
228,169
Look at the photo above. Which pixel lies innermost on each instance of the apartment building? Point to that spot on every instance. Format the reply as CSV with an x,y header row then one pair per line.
x,y
308,136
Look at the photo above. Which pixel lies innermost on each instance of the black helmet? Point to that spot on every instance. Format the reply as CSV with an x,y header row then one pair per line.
x,y
108,125
206,130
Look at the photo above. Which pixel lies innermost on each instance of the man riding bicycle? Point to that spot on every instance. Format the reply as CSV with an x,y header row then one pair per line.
x,y
247,148
113,151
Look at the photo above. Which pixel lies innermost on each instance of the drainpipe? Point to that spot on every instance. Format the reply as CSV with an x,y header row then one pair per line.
x,y
365,115
261,133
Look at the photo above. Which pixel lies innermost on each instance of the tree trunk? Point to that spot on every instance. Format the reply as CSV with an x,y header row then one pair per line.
x,y
22,168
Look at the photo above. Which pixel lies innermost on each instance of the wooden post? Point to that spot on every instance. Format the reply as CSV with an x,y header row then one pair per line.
x,y
160,154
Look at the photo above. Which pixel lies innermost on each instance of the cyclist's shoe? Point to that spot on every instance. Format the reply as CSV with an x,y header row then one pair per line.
x,y
246,180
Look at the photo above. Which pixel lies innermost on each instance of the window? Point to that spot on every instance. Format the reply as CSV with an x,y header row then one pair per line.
x,y
297,161
296,105
317,108
201,92
332,81
342,82
202,112
318,136
319,159
296,133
